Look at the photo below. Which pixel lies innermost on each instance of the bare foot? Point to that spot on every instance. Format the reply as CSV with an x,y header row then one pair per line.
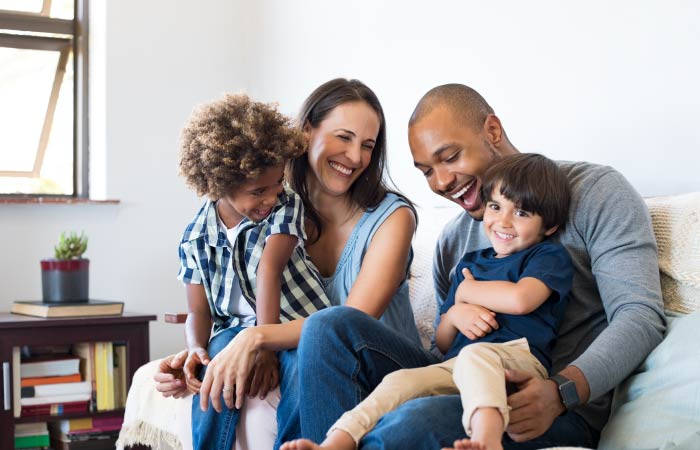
x,y
300,444
466,444
336,440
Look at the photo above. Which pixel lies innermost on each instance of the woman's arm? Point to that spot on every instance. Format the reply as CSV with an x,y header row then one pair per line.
x,y
384,265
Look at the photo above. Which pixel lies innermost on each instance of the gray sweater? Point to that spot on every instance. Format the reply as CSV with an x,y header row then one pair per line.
x,y
615,315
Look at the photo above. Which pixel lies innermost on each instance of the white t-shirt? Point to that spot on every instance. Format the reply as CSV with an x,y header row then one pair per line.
x,y
238,305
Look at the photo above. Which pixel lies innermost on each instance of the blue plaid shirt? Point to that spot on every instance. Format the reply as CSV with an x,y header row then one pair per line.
x,y
208,258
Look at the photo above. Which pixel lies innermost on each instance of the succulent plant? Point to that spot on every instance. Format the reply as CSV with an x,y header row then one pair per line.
x,y
71,246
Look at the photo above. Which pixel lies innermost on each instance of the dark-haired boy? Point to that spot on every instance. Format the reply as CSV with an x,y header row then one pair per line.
x,y
512,297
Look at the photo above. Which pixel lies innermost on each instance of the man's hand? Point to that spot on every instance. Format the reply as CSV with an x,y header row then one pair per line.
x,y
473,321
534,407
265,375
462,293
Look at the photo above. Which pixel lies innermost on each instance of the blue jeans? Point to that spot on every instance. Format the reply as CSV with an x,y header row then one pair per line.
x,y
210,429
344,354
288,424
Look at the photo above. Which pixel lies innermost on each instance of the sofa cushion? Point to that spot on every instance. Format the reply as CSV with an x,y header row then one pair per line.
x,y
658,407
676,221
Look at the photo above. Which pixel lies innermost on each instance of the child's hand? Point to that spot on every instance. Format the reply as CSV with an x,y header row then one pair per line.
x,y
196,357
473,321
462,293
265,374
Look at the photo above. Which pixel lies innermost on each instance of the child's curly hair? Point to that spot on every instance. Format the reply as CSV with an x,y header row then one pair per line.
x,y
228,142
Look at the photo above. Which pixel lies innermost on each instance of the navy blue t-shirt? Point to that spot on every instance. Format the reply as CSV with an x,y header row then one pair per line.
x,y
548,262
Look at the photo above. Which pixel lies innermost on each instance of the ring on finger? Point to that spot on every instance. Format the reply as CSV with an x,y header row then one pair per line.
x,y
227,389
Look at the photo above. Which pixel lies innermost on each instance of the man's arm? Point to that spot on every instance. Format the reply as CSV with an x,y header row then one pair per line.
x,y
613,222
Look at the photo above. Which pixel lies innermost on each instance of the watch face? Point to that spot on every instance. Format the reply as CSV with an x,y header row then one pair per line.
x,y
569,394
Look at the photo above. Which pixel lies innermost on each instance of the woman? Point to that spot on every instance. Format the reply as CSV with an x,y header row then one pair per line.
x,y
359,239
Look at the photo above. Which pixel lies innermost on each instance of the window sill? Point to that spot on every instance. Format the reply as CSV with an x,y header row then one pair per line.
x,y
54,201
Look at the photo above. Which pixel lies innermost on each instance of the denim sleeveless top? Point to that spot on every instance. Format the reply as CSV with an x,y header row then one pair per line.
x,y
398,315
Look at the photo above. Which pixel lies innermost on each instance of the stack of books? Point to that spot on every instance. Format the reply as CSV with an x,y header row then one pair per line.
x,y
52,385
31,435
103,365
91,433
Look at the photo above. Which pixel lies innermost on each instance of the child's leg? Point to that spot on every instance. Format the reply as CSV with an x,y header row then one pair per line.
x,y
212,430
394,390
479,373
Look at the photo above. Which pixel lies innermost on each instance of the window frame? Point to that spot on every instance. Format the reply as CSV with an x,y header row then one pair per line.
x,y
78,28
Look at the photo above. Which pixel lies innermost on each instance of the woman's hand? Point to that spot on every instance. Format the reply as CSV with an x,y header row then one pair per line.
x,y
197,356
228,371
170,379
473,321
265,376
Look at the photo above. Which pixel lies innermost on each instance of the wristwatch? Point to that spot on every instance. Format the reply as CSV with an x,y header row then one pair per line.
x,y
567,391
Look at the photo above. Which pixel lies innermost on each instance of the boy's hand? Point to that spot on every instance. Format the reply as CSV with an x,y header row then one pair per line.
x,y
462,294
197,356
170,379
473,321
265,374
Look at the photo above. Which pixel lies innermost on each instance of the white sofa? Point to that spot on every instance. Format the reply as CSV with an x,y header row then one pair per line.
x,y
657,407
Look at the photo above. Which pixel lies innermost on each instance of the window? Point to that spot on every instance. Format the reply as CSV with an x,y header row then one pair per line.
x,y
43,97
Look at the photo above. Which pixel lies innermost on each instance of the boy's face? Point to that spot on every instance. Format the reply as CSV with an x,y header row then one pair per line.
x,y
254,199
509,228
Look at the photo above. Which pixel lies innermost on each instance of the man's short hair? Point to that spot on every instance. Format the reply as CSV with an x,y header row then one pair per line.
x,y
533,182
464,101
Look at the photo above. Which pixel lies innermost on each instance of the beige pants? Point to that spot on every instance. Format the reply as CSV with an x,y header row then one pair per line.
x,y
477,374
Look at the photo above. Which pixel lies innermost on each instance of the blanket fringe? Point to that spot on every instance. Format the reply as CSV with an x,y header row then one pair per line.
x,y
143,433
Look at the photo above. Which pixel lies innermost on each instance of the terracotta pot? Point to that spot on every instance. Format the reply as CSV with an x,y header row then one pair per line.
x,y
65,280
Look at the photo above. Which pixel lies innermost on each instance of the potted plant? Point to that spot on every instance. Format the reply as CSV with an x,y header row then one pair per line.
x,y
65,277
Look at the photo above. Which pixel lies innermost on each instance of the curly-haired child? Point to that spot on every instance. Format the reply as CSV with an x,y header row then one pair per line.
x,y
242,257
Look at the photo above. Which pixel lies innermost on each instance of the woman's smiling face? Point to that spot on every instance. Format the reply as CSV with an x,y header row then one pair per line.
x,y
340,147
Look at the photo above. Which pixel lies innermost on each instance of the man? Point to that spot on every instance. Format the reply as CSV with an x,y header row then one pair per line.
x,y
614,319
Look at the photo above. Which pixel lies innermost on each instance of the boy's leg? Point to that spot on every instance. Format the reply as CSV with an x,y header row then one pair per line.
x,y
396,389
343,356
479,373
212,430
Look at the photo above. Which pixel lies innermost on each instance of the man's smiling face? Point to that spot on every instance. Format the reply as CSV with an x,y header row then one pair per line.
x,y
452,156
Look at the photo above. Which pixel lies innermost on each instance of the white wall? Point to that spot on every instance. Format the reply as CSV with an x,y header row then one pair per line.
x,y
609,82
152,62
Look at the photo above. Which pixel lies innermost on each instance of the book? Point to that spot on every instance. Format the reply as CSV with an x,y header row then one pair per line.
x,y
106,443
49,366
67,398
48,390
68,309
120,376
71,425
54,409
30,429
38,440
38,381
86,351
16,388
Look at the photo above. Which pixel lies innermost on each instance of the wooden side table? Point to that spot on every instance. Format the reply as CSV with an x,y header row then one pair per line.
x,y
17,330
